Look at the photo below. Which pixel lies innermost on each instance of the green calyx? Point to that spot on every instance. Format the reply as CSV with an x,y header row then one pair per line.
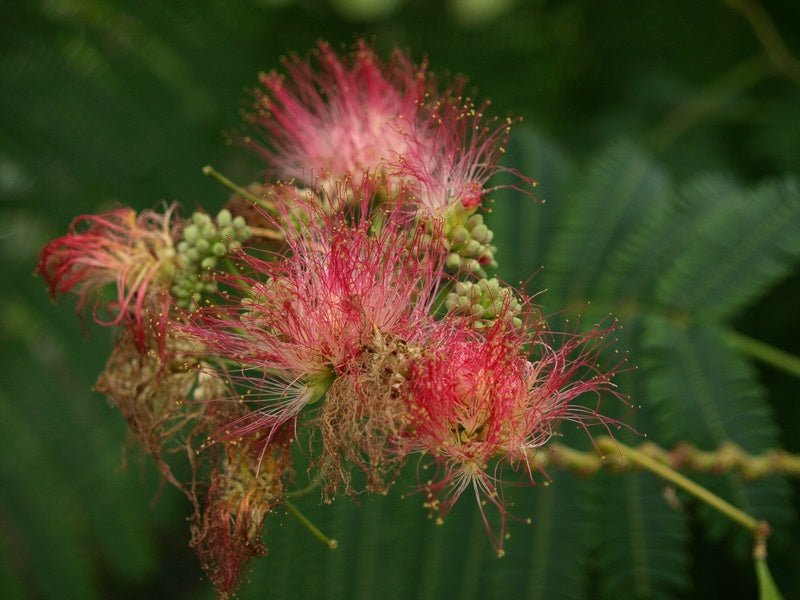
x,y
318,386
204,243
468,241
484,302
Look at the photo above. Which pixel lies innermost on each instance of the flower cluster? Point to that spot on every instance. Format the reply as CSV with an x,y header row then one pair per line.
x,y
349,306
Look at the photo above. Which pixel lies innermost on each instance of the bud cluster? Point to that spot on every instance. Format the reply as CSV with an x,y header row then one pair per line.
x,y
204,243
468,241
483,302
329,325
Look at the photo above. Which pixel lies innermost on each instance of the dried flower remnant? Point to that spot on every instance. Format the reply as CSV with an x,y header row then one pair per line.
x,y
158,395
226,532
363,419
134,252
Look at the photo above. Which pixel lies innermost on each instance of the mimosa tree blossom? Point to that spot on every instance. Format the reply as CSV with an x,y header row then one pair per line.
x,y
134,252
308,314
449,166
342,118
481,398
358,114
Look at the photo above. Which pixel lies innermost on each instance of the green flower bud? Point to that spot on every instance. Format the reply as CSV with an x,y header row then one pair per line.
x,y
224,218
200,218
191,234
459,235
209,262
480,233
472,248
474,221
202,246
208,230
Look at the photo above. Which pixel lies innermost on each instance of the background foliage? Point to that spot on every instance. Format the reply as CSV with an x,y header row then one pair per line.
x,y
666,142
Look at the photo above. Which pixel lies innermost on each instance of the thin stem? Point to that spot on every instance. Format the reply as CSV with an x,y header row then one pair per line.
x,y
667,473
765,353
707,100
269,234
313,484
261,202
728,458
330,543
767,33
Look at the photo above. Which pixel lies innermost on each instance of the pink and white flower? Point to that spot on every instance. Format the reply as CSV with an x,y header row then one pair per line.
x,y
342,118
356,115
477,401
309,313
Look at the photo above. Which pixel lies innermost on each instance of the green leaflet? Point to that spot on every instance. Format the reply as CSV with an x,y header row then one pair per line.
x,y
642,551
642,543
620,248
69,452
620,189
388,548
550,557
767,590
523,224
740,244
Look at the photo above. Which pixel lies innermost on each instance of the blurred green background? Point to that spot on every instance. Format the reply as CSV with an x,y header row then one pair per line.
x,y
664,135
